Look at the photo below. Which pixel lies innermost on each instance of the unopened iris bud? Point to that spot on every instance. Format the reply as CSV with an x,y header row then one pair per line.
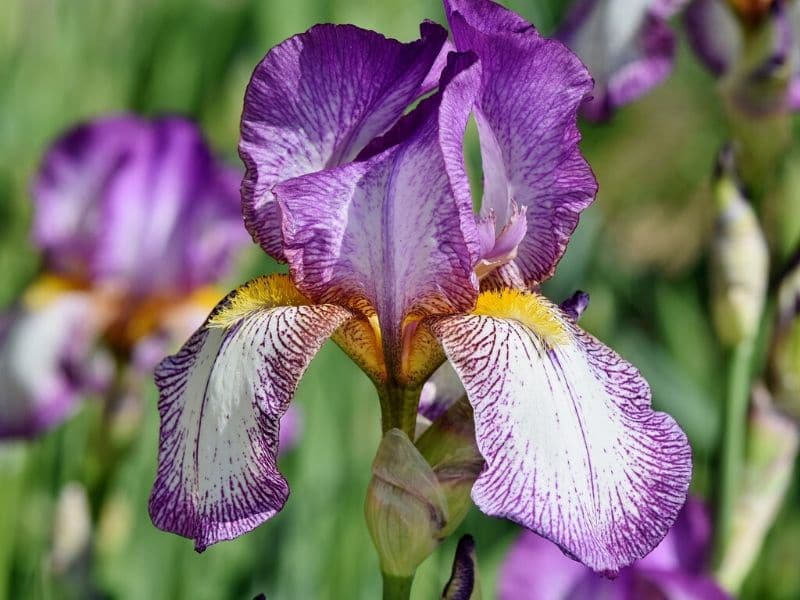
x,y
463,583
781,210
760,79
739,258
784,365
449,447
72,529
756,89
772,449
406,509
575,305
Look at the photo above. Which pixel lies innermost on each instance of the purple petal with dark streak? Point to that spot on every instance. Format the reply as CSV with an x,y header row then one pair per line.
x,y
316,100
139,204
531,88
397,230
626,45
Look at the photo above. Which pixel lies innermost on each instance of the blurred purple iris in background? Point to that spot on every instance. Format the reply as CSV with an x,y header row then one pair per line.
x,y
675,570
370,205
627,46
135,220
752,41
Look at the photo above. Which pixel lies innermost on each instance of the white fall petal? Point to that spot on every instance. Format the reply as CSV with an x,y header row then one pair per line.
x,y
573,449
221,400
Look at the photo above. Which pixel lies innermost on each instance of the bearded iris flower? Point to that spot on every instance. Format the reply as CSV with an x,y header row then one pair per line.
x,y
674,570
627,46
135,220
371,208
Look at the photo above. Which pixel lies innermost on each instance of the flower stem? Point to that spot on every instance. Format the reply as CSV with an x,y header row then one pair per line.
x,y
734,431
399,406
396,588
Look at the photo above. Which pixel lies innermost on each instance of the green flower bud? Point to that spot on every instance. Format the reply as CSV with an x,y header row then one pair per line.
x,y
405,508
463,583
72,529
772,449
755,89
449,447
781,210
739,259
784,364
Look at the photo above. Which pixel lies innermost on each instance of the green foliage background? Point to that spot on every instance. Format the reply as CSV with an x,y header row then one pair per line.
x,y
639,252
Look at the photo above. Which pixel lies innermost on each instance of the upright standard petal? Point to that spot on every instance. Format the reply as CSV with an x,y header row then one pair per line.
x,y
47,362
221,399
316,100
627,46
531,88
172,219
573,449
139,204
69,187
395,233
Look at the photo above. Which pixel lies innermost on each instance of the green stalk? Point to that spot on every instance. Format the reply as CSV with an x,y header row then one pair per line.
x,y
734,433
396,588
399,405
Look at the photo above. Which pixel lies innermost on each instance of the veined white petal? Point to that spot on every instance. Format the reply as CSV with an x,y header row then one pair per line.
x,y
221,400
573,449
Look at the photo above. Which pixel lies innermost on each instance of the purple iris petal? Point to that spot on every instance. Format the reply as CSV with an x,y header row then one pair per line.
x,y
70,187
316,100
536,569
687,545
47,362
627,46
531,88
440,392
585,462
138,204
396,231
714,33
